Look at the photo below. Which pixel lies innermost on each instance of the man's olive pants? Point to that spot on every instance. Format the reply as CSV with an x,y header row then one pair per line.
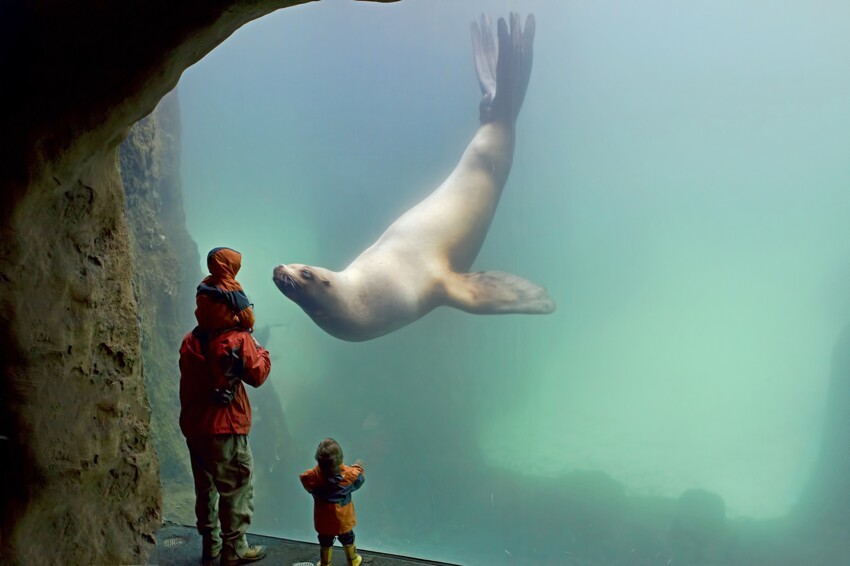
x,y
223,466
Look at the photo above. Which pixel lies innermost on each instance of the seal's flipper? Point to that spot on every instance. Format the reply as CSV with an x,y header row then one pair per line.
x,y
503,71
497,292
485,52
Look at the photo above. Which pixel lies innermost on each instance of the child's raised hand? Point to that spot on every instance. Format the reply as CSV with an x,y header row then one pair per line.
x,y
359,463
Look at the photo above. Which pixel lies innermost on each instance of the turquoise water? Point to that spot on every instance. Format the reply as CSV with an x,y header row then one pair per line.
x,y
680,185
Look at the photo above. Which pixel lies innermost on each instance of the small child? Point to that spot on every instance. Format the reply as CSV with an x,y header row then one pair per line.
x,y
221,302
331,483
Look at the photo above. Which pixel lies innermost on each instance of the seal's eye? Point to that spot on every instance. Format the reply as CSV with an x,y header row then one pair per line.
x,y
306,274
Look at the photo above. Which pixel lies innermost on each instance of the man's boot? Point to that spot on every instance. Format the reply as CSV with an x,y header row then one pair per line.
x,y
325,554
210,545
238,552
354,559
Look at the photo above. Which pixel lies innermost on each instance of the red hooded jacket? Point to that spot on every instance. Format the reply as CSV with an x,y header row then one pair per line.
x,y
204,367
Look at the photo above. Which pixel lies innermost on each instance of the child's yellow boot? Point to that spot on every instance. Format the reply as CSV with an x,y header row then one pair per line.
x,y
354,559
325,554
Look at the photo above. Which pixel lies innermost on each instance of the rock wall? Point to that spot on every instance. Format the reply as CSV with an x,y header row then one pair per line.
x,y
165,273
80,477
80,469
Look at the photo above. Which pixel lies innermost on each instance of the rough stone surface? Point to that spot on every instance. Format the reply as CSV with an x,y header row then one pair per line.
x,y
165,273
86,486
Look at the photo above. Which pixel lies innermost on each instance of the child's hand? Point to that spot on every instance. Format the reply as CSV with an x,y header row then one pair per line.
x,y
359,463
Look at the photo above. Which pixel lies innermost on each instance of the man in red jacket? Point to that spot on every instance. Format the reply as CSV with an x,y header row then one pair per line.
x,y
215,418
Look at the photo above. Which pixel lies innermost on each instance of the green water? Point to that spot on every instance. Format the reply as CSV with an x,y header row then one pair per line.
x,y
680,185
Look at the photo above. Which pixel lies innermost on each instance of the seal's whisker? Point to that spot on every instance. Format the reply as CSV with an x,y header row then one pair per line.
x,y
289,282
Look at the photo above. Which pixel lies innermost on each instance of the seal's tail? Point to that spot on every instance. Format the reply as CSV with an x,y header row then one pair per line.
x,y
497,292
503,69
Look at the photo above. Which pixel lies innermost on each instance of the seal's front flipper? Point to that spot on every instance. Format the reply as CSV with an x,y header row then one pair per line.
x,y
503,71
497,292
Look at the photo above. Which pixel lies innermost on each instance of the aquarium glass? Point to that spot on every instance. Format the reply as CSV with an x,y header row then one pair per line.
x,y
680,185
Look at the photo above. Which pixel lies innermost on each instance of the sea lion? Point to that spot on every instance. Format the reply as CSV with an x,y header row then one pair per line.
x,y
421,261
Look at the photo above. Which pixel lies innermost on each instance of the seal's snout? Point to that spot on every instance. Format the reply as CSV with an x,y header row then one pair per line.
x,y
278,276
284,281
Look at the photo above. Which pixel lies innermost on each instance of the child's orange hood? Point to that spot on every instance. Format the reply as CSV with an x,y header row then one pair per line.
x,y
224,264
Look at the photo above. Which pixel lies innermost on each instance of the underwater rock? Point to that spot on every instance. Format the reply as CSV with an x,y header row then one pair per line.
x,y
699,534
827,497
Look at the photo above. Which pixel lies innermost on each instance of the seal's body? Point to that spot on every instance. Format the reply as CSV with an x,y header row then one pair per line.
x,y
422,260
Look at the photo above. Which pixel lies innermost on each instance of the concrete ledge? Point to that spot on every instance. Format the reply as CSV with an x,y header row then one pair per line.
x,y
180,545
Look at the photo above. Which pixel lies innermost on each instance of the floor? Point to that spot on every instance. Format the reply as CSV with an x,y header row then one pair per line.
x,y
179,545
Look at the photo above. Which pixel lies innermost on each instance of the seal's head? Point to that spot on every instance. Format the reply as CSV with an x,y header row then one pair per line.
x,y
307,286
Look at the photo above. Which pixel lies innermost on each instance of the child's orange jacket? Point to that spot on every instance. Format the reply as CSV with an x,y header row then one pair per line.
x,y
221,302
333,510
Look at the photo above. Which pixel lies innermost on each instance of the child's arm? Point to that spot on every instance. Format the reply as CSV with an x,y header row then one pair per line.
x,y
308,479
358,481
